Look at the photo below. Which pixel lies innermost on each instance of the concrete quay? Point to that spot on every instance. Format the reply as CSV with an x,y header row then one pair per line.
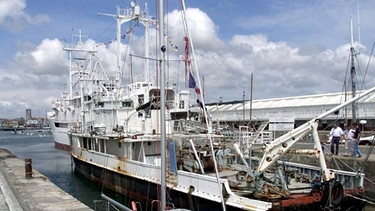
x,y
35,193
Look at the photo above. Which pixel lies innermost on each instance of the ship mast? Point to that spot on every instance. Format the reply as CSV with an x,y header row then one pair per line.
x,y
124,16
162,108
353,72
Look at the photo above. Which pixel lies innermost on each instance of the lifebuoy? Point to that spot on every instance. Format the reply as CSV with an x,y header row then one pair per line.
x,y
337,194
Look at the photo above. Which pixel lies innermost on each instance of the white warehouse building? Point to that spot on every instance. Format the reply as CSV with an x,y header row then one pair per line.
x,y
296,110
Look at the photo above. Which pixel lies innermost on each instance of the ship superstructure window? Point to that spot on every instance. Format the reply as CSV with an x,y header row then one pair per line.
x,y
96,145
84,144
87,98
127,104
141,99
181,104
102,146
61,125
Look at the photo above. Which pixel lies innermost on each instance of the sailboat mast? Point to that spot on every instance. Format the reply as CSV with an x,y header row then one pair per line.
x,y
162,107
251,96
353,72
243,105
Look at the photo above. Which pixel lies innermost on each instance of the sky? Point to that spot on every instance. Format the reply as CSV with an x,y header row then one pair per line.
x,y
291,47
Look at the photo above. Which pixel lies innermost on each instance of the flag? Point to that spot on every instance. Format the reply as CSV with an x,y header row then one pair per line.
x,y
193,84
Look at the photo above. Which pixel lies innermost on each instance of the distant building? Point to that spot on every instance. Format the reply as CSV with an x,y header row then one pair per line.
x,y
28,114
9,123
35,123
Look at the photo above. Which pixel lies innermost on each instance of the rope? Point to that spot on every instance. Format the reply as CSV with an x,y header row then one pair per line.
x,y
361,199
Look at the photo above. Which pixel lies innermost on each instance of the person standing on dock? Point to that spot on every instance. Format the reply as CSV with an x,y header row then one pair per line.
x,y
348,133
357,134
336,133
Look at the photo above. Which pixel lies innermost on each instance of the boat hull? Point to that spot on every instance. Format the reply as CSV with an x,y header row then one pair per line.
x,y
60,136
146,192
142,191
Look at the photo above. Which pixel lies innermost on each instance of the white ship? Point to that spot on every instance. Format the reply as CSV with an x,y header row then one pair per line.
x,y
84,72
145,137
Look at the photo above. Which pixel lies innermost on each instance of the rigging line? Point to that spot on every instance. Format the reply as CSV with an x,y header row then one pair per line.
x,y
346,165
365,200
204,107
347,67
335,158
367,197
130,39
346,75
352,169
369,60
360,70
370,181
106,30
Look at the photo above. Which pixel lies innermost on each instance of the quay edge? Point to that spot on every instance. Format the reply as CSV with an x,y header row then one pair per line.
x,y
36,193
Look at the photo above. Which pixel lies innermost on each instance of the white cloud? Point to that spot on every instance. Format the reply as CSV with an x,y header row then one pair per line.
x,y
37,74
201,27
14,18
48,57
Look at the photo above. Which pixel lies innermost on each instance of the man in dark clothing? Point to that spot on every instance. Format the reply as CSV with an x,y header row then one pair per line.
x,y
357,135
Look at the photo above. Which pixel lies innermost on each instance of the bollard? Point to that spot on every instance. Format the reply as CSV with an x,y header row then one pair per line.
x,y
28,168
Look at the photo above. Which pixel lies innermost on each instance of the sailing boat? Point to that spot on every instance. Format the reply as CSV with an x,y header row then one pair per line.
x,y
141,138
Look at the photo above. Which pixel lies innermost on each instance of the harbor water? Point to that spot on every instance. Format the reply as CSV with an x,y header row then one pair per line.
x,y
51,162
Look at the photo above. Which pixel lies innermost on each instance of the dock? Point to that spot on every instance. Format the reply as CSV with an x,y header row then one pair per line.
x,y
21,190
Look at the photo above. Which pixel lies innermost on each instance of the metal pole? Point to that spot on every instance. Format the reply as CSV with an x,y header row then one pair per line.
x,y
162,108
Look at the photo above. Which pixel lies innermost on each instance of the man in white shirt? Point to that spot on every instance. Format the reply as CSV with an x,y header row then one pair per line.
x,y
349,141
336,133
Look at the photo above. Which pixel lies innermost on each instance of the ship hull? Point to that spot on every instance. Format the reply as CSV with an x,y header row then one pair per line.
x,y
145,192
142,191
60,135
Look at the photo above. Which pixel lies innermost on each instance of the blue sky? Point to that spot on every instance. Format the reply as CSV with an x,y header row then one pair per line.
x,y
293,47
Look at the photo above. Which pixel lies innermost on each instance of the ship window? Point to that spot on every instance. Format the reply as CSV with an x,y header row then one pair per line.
x,y
119,144
85,143
127,104
96,145
61,125
101,104
89,144
87,98
141,99
181,105
102,146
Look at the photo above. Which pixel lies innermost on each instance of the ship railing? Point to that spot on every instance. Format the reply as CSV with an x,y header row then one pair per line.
x,y
189,126
349,179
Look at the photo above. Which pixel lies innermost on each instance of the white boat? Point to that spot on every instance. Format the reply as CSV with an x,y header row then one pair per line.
x,y
141,138
84,72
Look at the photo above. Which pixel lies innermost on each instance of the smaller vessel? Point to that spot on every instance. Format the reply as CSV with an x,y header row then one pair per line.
x,y
83,72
